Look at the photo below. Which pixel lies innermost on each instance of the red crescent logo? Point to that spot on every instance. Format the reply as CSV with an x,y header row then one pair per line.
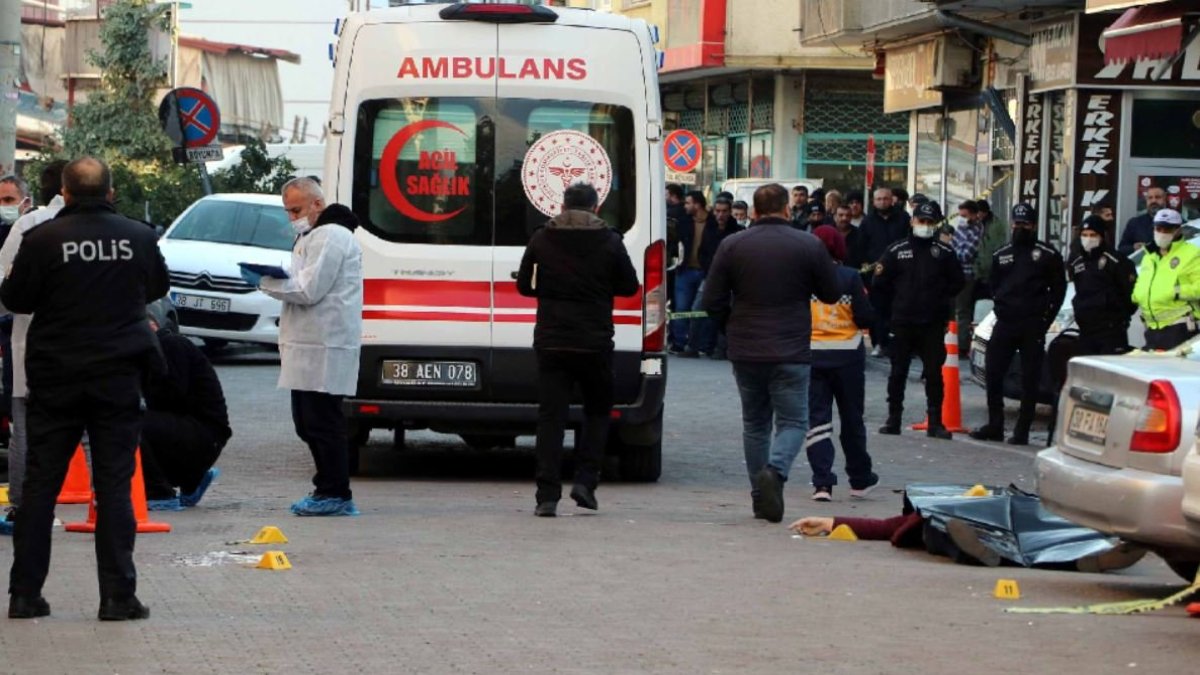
x,y
387,171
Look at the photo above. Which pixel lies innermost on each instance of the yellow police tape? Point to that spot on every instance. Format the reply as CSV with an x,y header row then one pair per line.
x,y
1127,607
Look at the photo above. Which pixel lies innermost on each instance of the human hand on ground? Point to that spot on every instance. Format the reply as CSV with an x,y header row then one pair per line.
x,y
813,526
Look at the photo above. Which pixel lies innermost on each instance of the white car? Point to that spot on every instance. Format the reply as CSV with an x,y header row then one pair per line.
x,y
203,248
1191,485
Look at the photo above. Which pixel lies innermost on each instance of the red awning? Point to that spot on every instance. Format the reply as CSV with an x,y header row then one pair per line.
x,y
1147,32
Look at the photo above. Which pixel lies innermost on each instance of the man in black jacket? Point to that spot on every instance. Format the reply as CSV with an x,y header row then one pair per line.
x,y
918,277
1028,285
886,224
186,424
86,276
759,289
574,266
1103,299
1139,230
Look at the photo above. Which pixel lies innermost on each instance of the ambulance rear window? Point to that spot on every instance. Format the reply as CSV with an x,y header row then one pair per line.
x,y
452,170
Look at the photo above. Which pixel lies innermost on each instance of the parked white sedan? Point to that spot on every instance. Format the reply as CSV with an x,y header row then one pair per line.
x,y
1124,426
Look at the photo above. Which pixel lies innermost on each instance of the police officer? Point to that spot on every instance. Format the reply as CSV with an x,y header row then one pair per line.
x,y
1168,287
86,276
1103,292
920,276
1027,286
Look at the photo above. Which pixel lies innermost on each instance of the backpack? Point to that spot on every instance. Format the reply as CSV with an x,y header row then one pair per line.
x,y
995,235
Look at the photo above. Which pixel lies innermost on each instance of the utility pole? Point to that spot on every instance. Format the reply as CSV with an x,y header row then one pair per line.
x,y
10,63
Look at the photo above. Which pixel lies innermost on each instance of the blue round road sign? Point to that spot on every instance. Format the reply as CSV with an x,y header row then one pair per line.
x,y
681,151
198,117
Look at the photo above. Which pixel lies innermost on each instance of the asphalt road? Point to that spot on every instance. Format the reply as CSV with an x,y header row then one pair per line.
x,y
448,571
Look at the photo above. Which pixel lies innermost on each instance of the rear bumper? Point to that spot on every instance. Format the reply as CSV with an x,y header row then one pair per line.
x,y
1191,489
1137,506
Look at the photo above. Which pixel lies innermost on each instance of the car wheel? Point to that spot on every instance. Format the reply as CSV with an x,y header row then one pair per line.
x,y
638,448
1184,568
398,438
489,441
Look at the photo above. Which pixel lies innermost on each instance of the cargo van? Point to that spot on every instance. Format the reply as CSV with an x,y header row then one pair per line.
x,y
454,130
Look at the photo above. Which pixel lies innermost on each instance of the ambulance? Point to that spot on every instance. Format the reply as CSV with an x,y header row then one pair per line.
x,y
454,130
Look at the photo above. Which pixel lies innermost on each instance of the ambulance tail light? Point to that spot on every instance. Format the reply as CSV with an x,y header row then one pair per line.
x,y
500,12
1158,427
654,298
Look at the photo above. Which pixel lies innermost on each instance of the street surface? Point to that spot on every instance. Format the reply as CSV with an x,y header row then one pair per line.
x,y
448,571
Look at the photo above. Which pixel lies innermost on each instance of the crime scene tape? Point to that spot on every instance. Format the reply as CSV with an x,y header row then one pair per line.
x,y
1111,608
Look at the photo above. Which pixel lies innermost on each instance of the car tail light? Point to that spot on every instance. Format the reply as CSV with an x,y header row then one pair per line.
x,y
368,410
502,12
1158,425
654,298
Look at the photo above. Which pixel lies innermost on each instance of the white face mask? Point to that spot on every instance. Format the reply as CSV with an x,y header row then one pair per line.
x,y
924,231
10,213
1089,243
301,225
1163,239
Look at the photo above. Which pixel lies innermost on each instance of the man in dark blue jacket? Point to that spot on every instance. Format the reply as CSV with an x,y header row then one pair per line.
x,y
704,332
1139,231
886,224
759,288
574,266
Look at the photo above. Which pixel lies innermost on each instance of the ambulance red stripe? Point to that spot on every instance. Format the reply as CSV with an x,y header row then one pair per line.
x,y
478,294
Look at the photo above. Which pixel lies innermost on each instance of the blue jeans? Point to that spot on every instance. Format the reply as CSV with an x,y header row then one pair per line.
x,y
772,392
689,333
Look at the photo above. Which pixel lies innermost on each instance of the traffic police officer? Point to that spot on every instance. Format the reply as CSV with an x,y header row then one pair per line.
x,y
86,277
1028,285
1168,286
1103,286
920,276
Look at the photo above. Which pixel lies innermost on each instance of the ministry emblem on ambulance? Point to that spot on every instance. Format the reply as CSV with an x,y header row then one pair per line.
x,y
559,160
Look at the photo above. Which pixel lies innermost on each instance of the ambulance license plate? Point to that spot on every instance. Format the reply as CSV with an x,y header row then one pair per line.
x,y
203,303
456,374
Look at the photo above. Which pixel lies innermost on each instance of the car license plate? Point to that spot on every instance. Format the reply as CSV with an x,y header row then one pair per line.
x,y
203,303
457,374
1090,425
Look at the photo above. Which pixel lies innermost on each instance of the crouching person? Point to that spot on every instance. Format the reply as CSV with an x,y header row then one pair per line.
x,y
186,424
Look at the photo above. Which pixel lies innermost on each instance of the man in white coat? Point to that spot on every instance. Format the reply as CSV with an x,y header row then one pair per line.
x,y
320,332
49,191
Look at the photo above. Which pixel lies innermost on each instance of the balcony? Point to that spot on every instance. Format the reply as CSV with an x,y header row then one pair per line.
x,y
828,21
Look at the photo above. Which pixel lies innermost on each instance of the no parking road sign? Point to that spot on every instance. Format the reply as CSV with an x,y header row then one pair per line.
x,y
681,151
191,119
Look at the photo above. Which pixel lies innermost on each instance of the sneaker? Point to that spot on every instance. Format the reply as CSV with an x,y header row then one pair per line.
x,y
193,498
878,352
987,432
129,609
585,497
546,510
24,607
171,504
313,505
862,492
770,488
822,494
966,538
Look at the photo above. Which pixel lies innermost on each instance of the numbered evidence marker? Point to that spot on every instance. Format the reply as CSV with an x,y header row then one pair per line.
x,y
269,535
843,533
3,495
274,560
1007,589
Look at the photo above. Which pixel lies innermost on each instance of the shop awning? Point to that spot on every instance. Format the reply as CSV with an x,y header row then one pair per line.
x,y
1148,32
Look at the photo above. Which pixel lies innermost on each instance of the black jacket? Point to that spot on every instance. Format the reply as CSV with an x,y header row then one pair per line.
x,y
919,278
1138,230
1028,283
876,233
575,266
687,236
1103,288
189,387
86,276
712,238
770,272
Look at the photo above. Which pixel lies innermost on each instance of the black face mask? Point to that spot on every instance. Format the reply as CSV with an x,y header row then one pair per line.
x,y
885,212
1022,236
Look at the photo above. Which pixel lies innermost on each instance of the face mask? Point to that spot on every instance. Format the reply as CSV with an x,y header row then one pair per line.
x,y
924,231
1022,236
1163,239
744,222
301,225
1089,243
9,214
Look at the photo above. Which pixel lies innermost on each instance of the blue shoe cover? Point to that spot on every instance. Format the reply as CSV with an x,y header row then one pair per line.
x,y
171,504
192,499
324,506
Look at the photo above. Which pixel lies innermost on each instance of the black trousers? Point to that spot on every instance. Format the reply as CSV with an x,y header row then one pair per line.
x,y
558,374
1007,340
321,424
177,451
926,341
108,409
1169,337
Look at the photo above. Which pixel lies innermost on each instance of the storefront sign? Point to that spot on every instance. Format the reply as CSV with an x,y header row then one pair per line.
x,y
911,71
1097,147
1031,151
1052,54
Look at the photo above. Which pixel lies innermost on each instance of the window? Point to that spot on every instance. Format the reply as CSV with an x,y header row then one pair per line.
x,y
229,222
1166,129
456,166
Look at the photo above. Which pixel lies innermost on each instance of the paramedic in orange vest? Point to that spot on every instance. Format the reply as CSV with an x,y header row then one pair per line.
x,y
838,374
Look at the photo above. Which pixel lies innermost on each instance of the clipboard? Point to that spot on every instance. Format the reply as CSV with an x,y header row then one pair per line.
x,y
272,271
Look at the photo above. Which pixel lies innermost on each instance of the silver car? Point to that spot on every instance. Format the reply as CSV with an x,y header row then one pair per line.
x,y
1124,427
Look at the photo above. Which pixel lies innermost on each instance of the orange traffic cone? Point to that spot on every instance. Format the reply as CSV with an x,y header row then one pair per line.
x,y
951,393
77,488
137,494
